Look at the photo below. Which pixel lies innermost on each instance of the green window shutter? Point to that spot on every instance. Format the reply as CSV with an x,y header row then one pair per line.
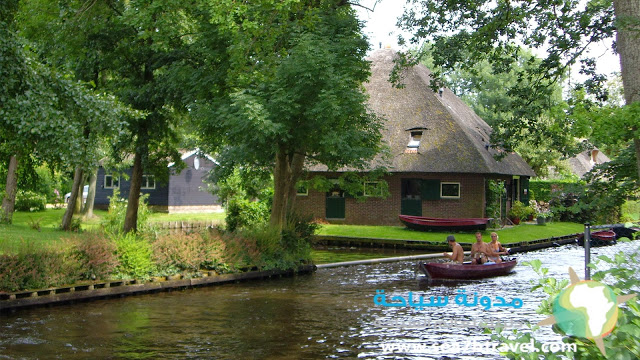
x,y
430,189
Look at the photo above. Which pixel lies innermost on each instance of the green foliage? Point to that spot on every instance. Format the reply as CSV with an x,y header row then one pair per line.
x,y
520,211
544,189
618,275
96,256
188,253
37,268
113,221
134,255
30,201
495,192
497,26
245,213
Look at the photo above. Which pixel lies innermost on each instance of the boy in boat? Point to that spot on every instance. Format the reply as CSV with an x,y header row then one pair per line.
x,y
458,254
481,252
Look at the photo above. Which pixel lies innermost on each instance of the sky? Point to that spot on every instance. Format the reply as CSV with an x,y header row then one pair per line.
x,y
382,21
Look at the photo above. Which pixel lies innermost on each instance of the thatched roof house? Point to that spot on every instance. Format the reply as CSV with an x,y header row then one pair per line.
x,y
441,155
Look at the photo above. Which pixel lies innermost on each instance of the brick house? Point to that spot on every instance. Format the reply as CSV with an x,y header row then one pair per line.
x,y
441,158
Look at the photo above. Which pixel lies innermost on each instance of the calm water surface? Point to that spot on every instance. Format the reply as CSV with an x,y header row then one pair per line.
x,y
329,314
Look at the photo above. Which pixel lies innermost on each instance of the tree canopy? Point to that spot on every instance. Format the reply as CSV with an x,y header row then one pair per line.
x,y
294,95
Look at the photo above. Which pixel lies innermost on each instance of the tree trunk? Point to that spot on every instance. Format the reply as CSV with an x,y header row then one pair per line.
x,y
11,189
286,174
87,211
628,44
77,206
131,218
75,189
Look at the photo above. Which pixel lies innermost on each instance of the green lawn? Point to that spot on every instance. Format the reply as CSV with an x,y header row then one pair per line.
x,y
519,233
12,237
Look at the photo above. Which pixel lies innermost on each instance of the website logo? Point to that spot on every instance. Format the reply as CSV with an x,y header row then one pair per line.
x,y
586,309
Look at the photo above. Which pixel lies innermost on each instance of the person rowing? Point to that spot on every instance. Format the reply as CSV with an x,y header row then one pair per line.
x,y
481,252
496,247
458,254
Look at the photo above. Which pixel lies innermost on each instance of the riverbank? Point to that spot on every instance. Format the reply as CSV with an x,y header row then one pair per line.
x,y
118,288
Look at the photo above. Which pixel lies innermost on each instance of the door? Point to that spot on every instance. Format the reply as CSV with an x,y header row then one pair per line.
x,y
335,204
411,201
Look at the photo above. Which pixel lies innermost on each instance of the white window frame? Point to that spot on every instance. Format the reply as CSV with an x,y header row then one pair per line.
x,y
145,182
376,188
414,142
302,193
442,196
112,186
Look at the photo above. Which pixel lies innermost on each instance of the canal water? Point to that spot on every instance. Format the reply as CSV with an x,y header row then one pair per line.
x,y
329,314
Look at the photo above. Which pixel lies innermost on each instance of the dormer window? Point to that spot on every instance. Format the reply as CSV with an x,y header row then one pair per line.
x,y
414,141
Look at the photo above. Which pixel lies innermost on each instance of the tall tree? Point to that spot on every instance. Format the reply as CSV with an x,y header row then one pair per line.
x,y
487,29
124,48
296,97
42,110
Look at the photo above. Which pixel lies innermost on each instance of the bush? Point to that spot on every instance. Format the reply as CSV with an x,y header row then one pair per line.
x,y
184,252
35,268
520,211
113,222
30,201
96,255
134,255
244,213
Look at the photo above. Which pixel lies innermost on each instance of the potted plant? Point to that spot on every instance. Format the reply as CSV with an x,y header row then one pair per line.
x,y
519,212
541,218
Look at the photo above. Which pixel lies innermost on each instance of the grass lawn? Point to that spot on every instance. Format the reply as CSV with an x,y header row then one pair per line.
x,y
12,237
508,235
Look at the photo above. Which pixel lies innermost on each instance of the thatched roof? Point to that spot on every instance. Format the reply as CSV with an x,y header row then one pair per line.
x,y
454,139
586,160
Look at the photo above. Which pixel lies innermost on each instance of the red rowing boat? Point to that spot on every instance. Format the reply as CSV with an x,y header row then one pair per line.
x,y
423,223
466,271
599,238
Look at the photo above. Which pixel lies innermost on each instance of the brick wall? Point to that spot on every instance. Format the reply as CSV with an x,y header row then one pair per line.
x,y
376,211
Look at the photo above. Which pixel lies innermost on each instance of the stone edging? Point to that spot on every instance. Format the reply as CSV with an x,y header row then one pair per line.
x,y
105,289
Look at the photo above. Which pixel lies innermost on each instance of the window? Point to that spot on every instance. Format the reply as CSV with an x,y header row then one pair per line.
x,y
148,182
372,188
111,182
414,140
303,190
450,190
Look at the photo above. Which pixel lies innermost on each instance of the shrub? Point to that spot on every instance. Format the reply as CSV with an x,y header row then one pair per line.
x,y
113,222
244,213
134,255
180,252
37,268
30,201
520,211
96,255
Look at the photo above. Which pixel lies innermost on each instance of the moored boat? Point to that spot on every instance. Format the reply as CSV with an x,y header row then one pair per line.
x,y
423,223
466,271
599,238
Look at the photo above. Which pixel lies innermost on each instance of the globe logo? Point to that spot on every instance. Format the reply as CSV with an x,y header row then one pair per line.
x,y
586,309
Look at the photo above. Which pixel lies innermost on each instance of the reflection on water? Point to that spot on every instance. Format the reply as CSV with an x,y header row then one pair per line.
x,y
329,314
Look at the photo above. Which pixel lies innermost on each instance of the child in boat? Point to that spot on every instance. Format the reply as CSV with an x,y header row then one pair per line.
x,y
458,254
